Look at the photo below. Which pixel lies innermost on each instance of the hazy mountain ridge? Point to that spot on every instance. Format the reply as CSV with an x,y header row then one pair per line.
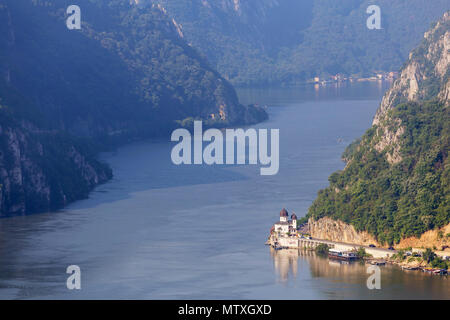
x,y
241,38
287,41
395,184
126,74
426,74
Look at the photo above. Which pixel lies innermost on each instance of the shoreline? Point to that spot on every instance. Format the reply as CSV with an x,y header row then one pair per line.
x,y
279,242
320,83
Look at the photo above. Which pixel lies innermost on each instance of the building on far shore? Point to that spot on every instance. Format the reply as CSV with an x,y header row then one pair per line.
x,y
285,226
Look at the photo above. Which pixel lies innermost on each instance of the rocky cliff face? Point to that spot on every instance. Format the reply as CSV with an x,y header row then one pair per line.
x,y
395,183
335,230
437,238
127,74
41,171
425,74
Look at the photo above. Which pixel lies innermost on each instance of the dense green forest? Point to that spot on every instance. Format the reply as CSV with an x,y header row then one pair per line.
x,y
290,41
396,181
67,94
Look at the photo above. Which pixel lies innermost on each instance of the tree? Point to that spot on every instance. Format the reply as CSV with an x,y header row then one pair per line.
x,y
322,249
361,253
428,255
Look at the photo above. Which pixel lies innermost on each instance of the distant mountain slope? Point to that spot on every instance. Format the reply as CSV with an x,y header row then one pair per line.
x,y
242,38
286,41
396,182
43,170
126,74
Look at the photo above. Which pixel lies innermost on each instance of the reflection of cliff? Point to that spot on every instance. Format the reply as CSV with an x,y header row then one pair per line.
x,y
340,276
286,263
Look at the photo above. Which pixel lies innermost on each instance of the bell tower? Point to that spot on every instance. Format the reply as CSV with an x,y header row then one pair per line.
x,y
294,221
284,215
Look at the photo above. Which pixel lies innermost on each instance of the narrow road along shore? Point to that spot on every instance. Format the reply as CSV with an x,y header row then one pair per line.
x,y
375,252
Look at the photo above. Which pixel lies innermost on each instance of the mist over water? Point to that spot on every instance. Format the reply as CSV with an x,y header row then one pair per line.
x,y
161,231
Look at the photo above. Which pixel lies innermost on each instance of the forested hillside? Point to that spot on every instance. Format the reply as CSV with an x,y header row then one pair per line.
x,y
126,74
288,41
396,181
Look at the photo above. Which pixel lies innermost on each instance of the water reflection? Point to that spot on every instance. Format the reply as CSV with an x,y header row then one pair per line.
x,y
285,262
344,279
197,232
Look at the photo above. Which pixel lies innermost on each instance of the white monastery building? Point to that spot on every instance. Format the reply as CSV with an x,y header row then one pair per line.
x,y
285,225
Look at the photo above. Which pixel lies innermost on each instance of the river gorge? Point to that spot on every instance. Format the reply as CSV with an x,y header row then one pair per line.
x,y
161,231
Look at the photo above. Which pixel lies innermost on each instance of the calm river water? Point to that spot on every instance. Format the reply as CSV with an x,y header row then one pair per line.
x,y
160,231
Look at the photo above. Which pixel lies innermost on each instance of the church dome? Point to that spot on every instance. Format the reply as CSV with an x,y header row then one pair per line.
x,y
284,213
294,217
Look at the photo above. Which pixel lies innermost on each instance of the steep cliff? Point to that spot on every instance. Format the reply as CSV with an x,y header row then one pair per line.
x,y
43,170
425,74
127,74
396,181
335,230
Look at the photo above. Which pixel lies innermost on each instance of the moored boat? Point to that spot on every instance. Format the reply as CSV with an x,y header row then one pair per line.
x,y
410,268
435,271
342,255
439,271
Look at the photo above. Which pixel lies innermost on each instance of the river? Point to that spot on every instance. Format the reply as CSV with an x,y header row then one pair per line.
x,y
160,231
